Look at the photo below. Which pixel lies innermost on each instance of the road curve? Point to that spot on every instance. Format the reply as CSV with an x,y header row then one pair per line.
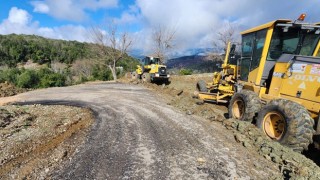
x,y
138,136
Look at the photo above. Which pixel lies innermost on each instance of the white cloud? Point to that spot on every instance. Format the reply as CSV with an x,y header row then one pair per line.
x,y
198,21
97,4
74,10
130,16
20,21
19,16
40,7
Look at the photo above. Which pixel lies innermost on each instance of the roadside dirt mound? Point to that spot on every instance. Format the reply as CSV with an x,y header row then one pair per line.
x,y
180,94
35,139
7,89
291,164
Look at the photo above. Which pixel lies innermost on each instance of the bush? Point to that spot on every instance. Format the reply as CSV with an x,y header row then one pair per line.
x,y
28,79
185,72
52,80
9,75
103,74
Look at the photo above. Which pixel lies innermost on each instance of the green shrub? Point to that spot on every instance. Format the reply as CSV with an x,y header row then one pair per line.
x,y
9,75
103,74
52,80
185,72
28,79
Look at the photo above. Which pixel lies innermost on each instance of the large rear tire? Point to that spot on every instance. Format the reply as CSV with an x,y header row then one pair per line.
x,y
146,77
287,122
202,86
244,105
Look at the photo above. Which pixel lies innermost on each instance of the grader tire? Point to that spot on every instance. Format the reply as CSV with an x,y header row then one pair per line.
x,y
146,77
287,122
202,86
244,105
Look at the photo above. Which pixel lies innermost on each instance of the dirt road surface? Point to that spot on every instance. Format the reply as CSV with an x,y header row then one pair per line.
x,y
136,135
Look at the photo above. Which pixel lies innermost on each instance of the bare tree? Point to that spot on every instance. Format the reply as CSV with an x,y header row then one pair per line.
x,y
163,39
58,67
82,68
112,46
224,36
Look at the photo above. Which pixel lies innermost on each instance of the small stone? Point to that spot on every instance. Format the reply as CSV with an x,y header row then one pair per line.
x,y
213,118
241,127
265,150
275,158
267,157
199,102
239,138
303,171
246,144
201,160
189,112
259,140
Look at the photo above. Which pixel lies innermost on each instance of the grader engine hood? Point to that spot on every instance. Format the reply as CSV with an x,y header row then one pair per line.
x,y
297,76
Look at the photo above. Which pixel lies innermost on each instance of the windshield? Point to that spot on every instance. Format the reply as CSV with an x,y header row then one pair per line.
x,y
293,41
150,60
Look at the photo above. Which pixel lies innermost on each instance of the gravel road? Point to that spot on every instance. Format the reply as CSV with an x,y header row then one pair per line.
x,y
136,135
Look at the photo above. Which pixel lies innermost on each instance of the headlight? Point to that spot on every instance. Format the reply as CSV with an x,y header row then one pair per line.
x,y
156,75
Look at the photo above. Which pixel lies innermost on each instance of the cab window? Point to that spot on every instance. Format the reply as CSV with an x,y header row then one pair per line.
x,y
252,46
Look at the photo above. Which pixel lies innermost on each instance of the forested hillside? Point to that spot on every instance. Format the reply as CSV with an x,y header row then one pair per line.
x,y
54,62
20,48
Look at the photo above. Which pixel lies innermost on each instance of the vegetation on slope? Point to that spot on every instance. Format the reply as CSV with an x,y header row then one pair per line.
x,y
30,61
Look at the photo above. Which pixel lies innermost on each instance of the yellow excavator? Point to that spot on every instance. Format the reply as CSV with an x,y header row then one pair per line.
x,y
277,84
151,70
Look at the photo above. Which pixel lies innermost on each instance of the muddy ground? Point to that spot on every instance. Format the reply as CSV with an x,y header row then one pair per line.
x,y
37,139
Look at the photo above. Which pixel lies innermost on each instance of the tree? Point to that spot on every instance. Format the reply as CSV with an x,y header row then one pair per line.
x,y
111,46
163,39
83,68
224,36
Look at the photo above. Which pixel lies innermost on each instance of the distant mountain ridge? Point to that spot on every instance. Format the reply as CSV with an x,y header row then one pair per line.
x,y
198,63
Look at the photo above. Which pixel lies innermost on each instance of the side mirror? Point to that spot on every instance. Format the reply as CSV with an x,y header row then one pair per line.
x,y
232,50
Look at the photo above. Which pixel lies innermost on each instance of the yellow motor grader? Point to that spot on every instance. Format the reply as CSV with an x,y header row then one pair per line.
x,y
277,82
151,70
222,86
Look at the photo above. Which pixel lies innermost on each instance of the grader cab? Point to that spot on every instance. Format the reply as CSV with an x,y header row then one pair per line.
x,y
278,82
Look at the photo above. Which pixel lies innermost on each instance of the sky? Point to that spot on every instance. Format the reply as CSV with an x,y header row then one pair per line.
x,y
195,22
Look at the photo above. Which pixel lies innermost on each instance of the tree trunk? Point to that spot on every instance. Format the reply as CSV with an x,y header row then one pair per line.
x,y
114,72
